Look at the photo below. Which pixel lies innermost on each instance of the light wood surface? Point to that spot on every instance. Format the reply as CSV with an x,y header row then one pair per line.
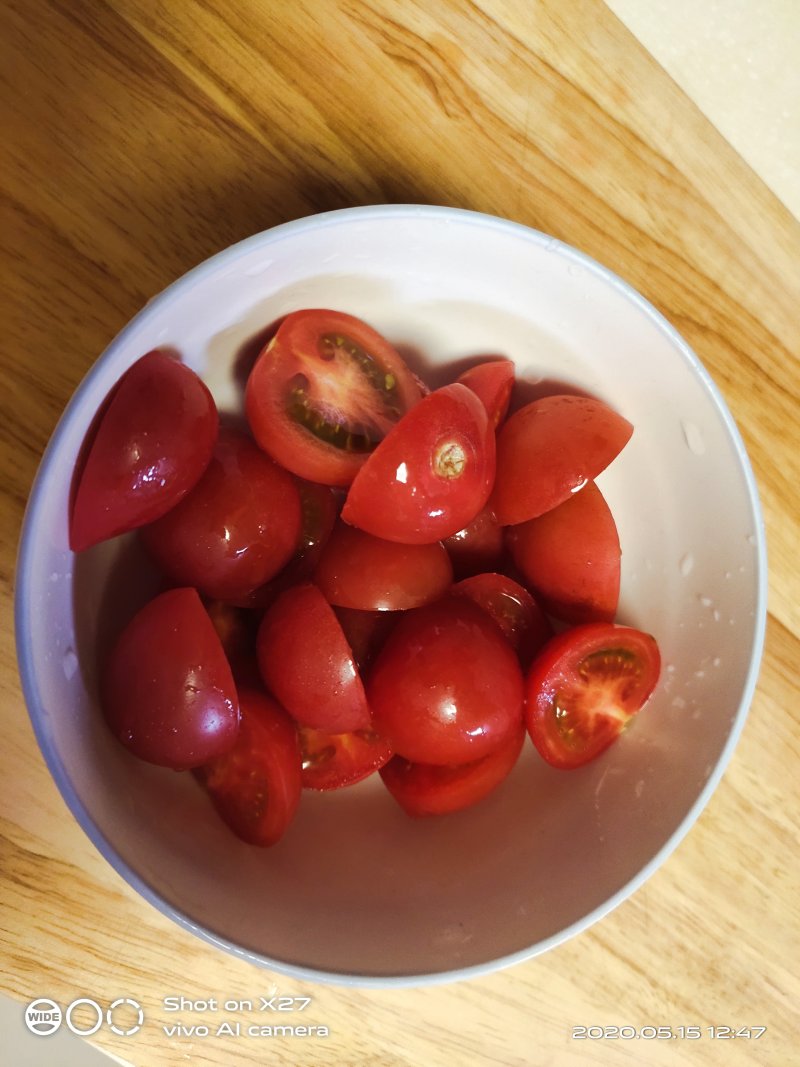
x,y
140,137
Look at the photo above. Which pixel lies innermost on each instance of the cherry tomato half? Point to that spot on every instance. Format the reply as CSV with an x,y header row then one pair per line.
x,y
447,686
492,382
431,475
256,786
427,789
512,607
167,690
357,570
584,687
152,444
570,556
550,449
236,528
307,664
324,392
332,761
366,632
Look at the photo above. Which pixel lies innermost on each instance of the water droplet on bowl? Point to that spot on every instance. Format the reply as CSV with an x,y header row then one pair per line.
x,y
716,661
706,601
69,662
751,539
54,576
694,438
686,564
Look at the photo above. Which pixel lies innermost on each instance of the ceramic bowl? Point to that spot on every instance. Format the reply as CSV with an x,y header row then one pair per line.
x,y
357,892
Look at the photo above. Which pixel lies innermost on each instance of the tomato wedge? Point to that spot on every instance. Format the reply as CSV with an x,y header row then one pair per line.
x,y
324,392
570,557
492,382
357,570
431,475
151,446
512,607
584,687
333,761
550,449
256,786
427,789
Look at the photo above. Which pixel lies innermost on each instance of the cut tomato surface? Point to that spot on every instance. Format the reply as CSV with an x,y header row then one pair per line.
x,y
325,392
585,686
333,761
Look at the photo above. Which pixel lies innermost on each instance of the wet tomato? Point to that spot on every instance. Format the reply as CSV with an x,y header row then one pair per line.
x,y
167,690
570,557
512,607
366,632
332,761
584,687
428,789
550,449
307,664
492,382
151,445
447,686
324,392
478,547
357,570
431,475
256,786
236,528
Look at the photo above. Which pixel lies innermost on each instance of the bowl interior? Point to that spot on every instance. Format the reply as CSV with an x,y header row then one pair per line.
x,y
355,888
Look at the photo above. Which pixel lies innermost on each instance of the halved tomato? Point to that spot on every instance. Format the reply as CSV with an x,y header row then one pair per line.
x,y
427,789
585,686
256,786
332,761
512,607
366,632
550,449
492,382
324,392
478,547
431,475
570,556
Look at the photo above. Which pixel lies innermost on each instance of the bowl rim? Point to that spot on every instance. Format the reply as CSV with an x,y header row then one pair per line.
x,y
25,562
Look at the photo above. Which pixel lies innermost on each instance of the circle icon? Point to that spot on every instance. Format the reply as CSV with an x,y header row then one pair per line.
x,y
91,1029
43,1016
139,1016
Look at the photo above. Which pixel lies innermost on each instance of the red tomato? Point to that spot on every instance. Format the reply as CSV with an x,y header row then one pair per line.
x,y
583,688
324,392
236,628
427,789
447,686
478,547
307,664
550,449
256,786
492,382
332,761
167,689
357,570
431,475
235,530
152,444
366,632
571,558
512,607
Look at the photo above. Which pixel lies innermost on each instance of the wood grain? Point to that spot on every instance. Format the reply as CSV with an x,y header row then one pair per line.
x,y
140,137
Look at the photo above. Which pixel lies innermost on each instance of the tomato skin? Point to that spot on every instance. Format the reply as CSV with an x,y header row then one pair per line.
x,y
333,761
492,382
570,557
424,789
325,390
511,606
235,529
167,690
152,445
256,786
477,548
306,663
365,632
357,570
549,449
432,473
447,686
598,675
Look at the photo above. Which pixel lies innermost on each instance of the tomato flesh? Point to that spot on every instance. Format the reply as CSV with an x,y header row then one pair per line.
x,y
423,789
256,786
333,761
152,445
585,686
324,392
550,449
167,690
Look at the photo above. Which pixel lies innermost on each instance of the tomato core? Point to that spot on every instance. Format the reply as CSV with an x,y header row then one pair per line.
x,y
614,674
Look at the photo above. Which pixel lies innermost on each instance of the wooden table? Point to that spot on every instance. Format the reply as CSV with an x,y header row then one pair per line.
x,y
140,137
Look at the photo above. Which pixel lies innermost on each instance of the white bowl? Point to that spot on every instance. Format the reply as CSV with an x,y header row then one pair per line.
x,y
356,892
